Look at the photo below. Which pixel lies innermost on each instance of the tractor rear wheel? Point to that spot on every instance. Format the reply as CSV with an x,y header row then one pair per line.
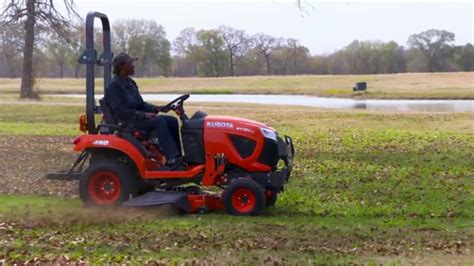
x,y
107,183
243,197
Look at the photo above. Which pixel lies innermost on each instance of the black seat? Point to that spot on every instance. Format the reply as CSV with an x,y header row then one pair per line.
x,y
111,124
108,117
198,115
196,121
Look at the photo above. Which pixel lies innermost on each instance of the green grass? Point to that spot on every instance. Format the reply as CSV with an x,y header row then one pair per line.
x,y
51,227
410,85
99,236
366,187
213,91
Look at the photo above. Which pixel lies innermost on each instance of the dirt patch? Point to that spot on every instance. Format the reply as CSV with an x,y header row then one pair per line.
x,y
26,159
256,242
431,259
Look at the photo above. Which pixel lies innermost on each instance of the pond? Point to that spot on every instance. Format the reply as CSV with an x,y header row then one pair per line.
x,y
324,102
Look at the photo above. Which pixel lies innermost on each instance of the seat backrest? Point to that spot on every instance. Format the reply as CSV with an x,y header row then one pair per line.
x,y
198,114
108,117
125,134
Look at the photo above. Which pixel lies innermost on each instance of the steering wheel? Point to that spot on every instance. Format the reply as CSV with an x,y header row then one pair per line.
x,y
177,106
176,102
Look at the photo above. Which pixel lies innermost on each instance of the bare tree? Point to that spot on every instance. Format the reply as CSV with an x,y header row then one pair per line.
x,y
294,44
58,48
266,45
186,41
305,7
77,45
435,45
121,36
145,39
236,42
35,13
186,47
211,53
10,41
465,58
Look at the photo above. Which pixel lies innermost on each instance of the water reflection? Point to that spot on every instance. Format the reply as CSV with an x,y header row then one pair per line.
x,y
418,105
342,103
360,105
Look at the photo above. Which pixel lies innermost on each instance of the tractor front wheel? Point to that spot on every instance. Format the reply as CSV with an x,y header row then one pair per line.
x,y
107,183
243,197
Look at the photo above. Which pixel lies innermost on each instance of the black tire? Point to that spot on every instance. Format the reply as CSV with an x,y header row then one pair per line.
x,y
243,197
271,196
107,183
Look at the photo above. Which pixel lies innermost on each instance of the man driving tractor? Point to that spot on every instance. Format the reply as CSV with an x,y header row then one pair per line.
x,y
239,156
128,107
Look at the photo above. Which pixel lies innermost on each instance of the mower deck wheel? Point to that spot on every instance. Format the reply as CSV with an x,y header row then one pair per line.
x,y
271,195
107,183
243,197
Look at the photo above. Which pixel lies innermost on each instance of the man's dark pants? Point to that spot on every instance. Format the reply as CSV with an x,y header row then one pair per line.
x,y
166,129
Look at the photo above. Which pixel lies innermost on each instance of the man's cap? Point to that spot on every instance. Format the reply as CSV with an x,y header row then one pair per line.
x,y
123,58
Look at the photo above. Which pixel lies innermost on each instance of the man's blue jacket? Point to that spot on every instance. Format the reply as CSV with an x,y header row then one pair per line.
x,y
124,100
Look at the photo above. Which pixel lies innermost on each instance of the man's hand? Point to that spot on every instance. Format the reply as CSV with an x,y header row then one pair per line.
x,y
150,115
163,109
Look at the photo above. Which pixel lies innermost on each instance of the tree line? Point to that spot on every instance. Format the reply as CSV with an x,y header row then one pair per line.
x,y
226,51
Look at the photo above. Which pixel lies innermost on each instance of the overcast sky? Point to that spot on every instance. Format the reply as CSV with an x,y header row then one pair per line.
x,y
323,27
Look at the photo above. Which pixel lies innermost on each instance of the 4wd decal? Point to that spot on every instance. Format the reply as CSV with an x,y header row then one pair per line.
x,y
101,142
220,124
246,130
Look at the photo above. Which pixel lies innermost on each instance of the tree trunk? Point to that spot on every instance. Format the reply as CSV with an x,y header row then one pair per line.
x,y
216,65
27,76
176,70
285,64
231,60
76,70
267,58
295,71
430,65
61,70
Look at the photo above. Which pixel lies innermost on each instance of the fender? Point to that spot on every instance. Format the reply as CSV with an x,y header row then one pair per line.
x,y
111,142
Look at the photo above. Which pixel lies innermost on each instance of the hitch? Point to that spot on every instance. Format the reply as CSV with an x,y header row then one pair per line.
x,y
73,173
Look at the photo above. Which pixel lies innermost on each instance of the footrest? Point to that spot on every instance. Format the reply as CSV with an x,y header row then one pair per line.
x,y
155,198
63,176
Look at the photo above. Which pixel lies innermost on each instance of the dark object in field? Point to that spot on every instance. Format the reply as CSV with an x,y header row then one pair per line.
x,y
360,86
248,161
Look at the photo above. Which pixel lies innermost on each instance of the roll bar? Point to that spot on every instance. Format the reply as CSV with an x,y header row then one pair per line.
x,y
89,58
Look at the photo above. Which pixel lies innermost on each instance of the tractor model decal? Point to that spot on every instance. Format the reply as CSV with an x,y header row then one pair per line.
x,y
101,142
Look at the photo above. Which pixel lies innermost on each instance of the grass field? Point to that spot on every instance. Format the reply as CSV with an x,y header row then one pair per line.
x,y
412,85
367,187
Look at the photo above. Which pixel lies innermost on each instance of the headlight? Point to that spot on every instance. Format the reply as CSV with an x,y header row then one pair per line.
x,y
269,134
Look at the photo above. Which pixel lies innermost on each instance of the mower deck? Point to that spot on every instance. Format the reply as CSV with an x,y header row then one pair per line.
x,y
156,197
190,203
